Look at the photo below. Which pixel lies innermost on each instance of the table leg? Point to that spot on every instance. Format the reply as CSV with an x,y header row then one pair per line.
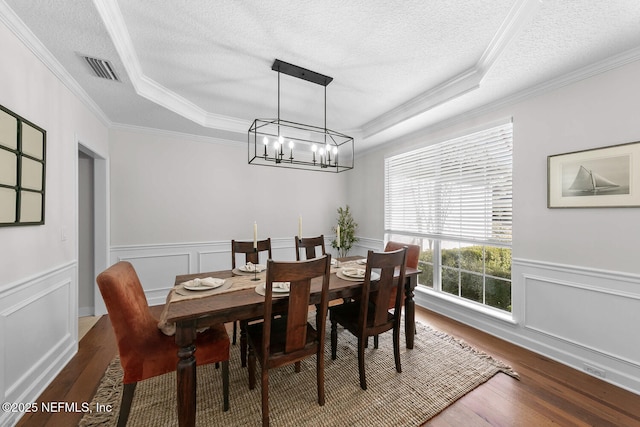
x,y
186,374
410,310
243,343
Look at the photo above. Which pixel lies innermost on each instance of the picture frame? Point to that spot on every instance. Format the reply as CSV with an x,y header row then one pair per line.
x,y
22,170
595,178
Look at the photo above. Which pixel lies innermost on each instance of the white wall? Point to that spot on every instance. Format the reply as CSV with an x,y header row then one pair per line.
x,y
576,278
177,201
38,268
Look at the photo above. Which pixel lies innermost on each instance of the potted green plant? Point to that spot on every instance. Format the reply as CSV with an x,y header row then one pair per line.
x,y
346,233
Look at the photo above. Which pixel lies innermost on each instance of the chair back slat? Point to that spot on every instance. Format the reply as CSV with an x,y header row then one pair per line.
x,y
299,274
297,315
310,244
385,264
386,284
246,248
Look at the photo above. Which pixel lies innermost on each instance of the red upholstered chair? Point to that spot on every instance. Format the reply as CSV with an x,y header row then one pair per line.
x,y
413,252
413,256
144,350
370,314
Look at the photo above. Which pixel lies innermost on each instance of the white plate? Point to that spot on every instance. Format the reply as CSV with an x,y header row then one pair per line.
x,y
250,269
205,284
356,273
278,289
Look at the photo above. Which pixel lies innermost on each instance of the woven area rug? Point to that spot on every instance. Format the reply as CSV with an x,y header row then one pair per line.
x,y
438,371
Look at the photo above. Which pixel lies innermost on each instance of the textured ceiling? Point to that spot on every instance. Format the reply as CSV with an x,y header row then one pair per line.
x,y
204,67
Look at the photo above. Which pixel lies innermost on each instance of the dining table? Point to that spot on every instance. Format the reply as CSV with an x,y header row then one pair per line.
x,y
186,315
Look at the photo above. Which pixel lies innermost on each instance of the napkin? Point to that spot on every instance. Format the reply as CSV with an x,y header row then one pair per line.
x,y
207,282
280,285
253,267
358,272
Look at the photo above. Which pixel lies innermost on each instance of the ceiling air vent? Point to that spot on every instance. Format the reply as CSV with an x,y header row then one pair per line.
x,y
101,68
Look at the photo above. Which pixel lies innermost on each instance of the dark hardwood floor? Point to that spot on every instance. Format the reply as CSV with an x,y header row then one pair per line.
x,y
548,393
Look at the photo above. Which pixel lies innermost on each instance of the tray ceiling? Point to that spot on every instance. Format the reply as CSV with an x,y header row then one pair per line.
x,y
204,68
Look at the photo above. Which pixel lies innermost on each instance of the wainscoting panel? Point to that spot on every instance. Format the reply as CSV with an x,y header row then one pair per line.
x,y
591,317
582,317
215,259
39,329
364,245
157,271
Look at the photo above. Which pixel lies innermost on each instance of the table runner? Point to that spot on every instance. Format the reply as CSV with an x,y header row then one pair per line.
x,y
238,283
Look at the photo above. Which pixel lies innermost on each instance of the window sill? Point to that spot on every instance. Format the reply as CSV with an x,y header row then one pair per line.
x,y
459,302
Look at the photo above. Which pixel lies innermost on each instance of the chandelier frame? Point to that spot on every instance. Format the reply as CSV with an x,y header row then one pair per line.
x,y
328,150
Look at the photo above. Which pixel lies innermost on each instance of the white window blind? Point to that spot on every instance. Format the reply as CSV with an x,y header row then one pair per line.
x,y
459,189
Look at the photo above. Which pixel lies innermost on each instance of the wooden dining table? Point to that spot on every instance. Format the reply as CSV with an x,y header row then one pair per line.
x,y
189,315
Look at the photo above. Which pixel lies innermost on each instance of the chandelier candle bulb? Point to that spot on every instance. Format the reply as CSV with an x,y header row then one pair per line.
x,y
277,146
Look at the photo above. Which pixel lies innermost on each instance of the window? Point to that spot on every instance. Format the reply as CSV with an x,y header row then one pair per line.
x,y
454,200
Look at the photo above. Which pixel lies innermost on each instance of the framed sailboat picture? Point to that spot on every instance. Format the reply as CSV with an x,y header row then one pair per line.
x,y
601,177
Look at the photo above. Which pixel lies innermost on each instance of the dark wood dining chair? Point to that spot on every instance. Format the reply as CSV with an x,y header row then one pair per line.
x,y
309,245
250,254
370,315
145,351
239,248
285,340
413,258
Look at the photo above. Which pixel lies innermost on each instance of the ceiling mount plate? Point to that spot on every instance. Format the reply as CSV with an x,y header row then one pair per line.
x,y
301,73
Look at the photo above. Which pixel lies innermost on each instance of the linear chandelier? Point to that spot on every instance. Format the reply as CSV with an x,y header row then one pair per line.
x,y
277,142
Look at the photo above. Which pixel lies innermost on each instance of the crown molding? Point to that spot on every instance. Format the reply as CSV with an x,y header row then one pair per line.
x,y
9,18
465,82
446,91
519,16
451,88
592,70
178,135
148,88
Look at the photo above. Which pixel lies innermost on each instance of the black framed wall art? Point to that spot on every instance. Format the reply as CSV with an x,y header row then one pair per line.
x,y
22,170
